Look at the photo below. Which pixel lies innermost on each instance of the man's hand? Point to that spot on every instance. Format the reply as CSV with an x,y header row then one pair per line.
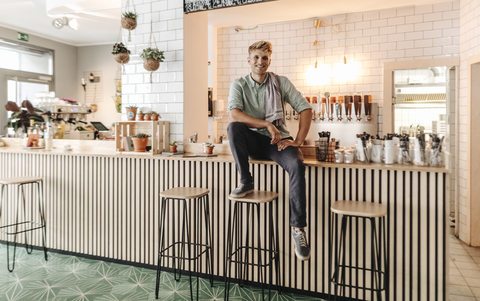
x,y
283,144
276,138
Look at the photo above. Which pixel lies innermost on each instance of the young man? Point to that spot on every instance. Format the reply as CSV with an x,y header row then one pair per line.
x,y
256,107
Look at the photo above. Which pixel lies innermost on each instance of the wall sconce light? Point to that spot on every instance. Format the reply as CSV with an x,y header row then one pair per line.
x,y
60,22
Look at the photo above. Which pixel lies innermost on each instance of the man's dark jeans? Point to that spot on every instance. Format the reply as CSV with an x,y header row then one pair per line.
x,y
246,143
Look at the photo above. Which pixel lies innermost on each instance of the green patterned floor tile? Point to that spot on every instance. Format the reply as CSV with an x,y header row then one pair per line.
x,y
70,278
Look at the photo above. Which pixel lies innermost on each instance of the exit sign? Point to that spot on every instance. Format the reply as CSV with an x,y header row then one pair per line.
x,y
22,36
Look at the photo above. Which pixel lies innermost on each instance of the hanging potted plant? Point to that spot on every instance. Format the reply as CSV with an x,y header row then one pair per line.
x,y
129,20
152,58
91,78
121,53
140,141
131,112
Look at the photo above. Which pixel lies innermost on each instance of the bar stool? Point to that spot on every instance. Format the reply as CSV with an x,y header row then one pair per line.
x,y
25,225
200,198
239,254
370,211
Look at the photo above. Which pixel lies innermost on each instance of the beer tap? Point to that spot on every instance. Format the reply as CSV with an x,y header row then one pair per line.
x,y
332,101
321,112
348,107
359,117
339,105
367,99
315,102
356,100
287,115
295,115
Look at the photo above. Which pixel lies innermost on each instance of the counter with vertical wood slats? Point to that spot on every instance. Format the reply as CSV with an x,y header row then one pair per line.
x,y
108,206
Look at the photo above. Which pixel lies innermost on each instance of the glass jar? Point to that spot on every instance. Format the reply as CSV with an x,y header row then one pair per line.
x,y
349,156
339,154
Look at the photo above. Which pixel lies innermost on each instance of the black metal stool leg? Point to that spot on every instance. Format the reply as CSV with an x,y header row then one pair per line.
x,y
22,189
228,253
209,239
160,246
41,211
260,273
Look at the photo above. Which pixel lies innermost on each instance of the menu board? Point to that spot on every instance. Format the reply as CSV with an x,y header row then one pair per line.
x,y
190,6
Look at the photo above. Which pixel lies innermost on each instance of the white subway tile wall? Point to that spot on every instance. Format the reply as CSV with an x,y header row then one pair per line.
x,y
372,38
165,93
469,46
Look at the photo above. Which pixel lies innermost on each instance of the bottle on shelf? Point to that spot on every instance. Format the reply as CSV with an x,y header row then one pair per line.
x,y
49,138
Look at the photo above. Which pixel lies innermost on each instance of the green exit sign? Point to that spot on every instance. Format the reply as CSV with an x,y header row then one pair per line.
x,y
22,36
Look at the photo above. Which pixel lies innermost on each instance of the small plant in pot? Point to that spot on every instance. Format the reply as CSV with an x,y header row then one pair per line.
x,y
152,58
173,146
131,112
141,116
153,115
208,148
140,141
121,53
129,20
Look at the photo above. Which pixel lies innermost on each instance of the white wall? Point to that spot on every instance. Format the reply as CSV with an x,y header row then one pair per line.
x,y
373,37
469,46
165,94
99,60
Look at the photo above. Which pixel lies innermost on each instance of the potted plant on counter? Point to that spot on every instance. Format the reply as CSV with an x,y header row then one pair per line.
x,y
121,53
141,116
140,141
173,146
153,115
209,148
131,112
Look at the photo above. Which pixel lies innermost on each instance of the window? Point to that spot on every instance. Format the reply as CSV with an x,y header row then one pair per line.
x,y
16,56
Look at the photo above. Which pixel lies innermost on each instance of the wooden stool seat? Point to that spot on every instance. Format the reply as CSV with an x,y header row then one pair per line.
x,y
257,196
20,180
184,193
363,209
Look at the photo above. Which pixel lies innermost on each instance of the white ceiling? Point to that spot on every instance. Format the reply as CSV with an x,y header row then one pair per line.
x,y
102,27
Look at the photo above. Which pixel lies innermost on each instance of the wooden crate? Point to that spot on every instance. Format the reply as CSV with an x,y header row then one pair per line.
x,y
160,131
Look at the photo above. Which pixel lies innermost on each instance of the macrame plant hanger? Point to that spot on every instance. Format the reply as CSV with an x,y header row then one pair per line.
x,y
125,58
150,64
129,23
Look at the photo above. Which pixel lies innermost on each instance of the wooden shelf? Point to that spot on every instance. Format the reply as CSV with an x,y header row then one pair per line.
x,y
160,131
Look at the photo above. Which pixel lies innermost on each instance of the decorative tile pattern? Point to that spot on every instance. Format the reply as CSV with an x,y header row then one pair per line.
x,y
70,278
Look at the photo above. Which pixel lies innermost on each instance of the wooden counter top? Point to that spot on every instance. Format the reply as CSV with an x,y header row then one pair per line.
x,y
107,149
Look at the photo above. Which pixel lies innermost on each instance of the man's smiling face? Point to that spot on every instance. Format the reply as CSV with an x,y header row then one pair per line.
x,y
259,62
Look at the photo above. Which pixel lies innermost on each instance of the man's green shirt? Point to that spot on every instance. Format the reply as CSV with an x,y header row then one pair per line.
x,y
248,96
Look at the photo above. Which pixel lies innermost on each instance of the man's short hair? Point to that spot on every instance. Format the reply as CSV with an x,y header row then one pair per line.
x,y
260,45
